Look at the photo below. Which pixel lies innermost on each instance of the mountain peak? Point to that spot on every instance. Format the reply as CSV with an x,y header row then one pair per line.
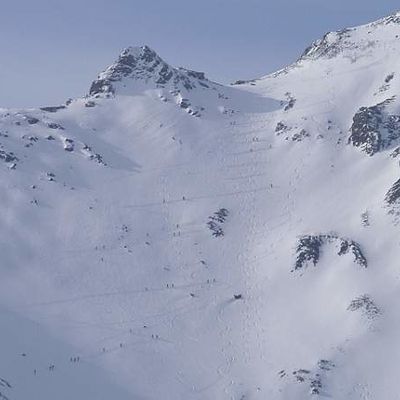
x,y
138,51
356,39
141,63
390,19
136,57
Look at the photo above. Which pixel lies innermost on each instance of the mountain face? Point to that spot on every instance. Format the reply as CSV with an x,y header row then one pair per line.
x,y
168,237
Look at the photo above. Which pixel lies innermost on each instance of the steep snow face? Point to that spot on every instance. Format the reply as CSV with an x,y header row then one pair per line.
x,y
245,251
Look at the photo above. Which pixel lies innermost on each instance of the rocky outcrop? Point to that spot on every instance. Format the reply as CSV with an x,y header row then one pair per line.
x,y
374,129
314,379
309,247
7,156
392,199
91,155
393,195
68,144
329,46
53,125
144,64
216,221
391,19
366,305
53,109
334,43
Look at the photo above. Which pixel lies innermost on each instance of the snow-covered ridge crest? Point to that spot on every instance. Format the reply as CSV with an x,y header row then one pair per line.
x,y
145,65
391,19
356,38
329,46
350,43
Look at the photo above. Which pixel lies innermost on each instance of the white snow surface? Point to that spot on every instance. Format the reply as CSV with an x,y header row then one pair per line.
x,y
112,282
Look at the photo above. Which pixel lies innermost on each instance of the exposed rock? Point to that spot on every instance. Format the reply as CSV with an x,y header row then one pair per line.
x,y
329,46
30,138
309,250
281,128
315,385
395,153
365,305
68,144
391,19
389,77
392,199
347,246
215,222
282,373
326,365
300,375
243,82
194,74
32,120
298,137
142,63
373,129
184,103
365,219
187,106
393,195
291,102
314,378
365,131
53,125
336,43
7,156
53,109
386,85
87,150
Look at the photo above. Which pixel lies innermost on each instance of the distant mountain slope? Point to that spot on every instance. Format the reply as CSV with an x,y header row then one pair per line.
x,y
168,237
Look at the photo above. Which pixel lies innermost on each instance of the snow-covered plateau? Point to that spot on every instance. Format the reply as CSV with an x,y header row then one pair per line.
x,y
167,237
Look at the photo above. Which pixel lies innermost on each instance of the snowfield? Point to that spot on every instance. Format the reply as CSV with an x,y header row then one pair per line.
x,y
168,237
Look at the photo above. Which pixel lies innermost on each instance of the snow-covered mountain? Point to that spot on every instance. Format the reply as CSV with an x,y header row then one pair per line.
x,y
168,237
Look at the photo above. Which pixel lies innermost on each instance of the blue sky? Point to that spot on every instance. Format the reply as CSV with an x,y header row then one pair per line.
x,y
52,50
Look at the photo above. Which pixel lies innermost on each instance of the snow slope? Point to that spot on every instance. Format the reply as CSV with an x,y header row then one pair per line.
x,y
168,237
